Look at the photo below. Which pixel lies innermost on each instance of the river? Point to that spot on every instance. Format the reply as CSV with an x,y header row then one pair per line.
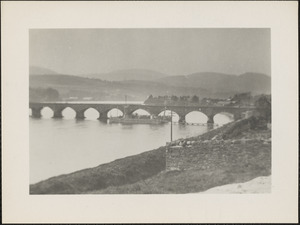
x,y
60,146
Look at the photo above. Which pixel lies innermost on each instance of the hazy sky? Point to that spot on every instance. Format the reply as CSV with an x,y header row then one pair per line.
x,y
170,51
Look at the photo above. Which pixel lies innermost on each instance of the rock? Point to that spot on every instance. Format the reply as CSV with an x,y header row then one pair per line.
x,y
237,141
243,141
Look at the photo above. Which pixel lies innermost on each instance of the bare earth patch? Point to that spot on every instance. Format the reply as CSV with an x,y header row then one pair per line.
x,y
257,185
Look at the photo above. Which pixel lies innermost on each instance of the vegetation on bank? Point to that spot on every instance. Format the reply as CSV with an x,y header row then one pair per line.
x,y
43,94
145,173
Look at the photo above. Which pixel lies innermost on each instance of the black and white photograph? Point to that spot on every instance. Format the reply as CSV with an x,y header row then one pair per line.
x,y
149,112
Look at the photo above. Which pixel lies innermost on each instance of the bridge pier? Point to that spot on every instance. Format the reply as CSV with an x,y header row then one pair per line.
x,y
80,115
210,119
182,119
36,113
57,114
103,117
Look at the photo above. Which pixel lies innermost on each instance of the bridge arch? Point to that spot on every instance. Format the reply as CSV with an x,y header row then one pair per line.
x,y
196,117
114,112
47,112
167,114
91,114
68,113
140,113
223,117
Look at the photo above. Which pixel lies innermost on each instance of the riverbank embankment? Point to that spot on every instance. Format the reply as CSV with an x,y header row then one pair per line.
x,y
236,152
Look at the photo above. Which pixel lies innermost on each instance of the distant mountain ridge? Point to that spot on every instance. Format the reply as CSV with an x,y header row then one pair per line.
x,y
36,70
138,84
218,82
129,74
72,86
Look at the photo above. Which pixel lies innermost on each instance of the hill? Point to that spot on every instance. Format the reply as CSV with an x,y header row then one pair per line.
x,y
138,84
100,90
36,70
223,83
130,74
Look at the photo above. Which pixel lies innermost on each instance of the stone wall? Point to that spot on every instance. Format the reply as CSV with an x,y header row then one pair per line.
x,y
218,154
214,150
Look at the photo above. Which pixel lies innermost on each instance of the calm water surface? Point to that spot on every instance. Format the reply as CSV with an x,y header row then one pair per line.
x,y
60,146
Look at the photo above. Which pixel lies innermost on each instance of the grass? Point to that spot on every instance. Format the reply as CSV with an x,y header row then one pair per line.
x,y
197,180
119,172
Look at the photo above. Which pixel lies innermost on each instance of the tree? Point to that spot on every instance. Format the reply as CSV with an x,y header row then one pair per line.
x,y
195,99
51,94
40,94
174,98
263,107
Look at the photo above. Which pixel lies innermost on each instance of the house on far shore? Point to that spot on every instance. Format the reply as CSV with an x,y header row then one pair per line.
x,y
87,98
247,114
71,99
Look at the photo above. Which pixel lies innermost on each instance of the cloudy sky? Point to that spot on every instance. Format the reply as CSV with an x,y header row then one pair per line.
x,y
170,51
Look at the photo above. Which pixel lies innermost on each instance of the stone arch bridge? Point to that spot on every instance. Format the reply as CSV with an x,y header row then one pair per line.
x,y
129,109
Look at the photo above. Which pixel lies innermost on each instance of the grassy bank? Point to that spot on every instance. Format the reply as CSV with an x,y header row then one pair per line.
x,y
145,173
119,172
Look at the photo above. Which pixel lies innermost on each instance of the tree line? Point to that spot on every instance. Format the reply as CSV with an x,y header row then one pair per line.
x,y
43,94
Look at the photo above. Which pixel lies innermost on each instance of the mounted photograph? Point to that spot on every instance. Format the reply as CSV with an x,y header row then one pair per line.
x,y
150,111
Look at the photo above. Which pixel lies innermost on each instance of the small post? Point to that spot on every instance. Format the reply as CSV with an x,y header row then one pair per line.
x,y
171,125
